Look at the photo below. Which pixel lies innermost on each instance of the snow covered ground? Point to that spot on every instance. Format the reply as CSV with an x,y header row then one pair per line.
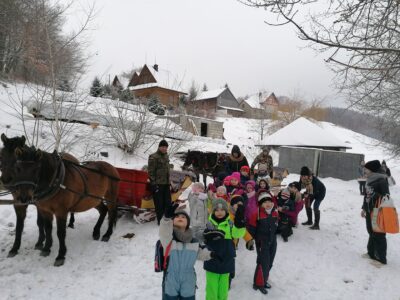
x,y
325,264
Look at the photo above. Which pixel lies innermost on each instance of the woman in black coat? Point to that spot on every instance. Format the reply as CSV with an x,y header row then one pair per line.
x,y
236,160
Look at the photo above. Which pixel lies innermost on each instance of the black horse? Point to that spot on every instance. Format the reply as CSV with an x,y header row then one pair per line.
x,y
8,162
205,163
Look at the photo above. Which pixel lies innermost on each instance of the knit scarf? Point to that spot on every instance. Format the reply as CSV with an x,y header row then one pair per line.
x,y
251,194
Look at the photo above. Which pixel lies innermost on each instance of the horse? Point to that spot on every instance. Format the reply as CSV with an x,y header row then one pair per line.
x,y
205,163
58,186
8,161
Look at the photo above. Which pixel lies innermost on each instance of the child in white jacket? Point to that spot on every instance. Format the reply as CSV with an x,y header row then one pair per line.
x,y
198,203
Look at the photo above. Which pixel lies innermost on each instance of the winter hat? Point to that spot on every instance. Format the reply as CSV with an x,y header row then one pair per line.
x,y
236,199
235,149
263,196
373,165
183,213
285,194
163,143
219,203
252,183
305,171
245,169
266,148
235,175
296,184
227,180
265,179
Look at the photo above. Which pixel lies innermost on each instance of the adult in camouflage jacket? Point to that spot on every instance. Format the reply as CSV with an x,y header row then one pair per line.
x,y
264,163
158,170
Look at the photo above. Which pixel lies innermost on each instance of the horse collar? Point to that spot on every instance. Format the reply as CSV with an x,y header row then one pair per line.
x,y
55,182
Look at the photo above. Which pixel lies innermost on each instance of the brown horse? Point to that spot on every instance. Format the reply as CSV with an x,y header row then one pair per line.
x,y
8,160
58,186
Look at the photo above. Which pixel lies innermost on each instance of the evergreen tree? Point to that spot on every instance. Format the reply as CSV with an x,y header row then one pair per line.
x,y
205,88
155,106
193,91
226,85
96,90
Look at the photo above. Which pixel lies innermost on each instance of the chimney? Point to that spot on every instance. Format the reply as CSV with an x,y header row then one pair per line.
x,y
155,67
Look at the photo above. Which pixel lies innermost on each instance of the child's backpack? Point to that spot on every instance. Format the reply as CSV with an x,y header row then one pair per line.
x,y
161,258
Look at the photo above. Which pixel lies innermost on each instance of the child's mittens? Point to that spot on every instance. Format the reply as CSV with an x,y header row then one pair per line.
x,y
213,235
250,245
170,210
239,217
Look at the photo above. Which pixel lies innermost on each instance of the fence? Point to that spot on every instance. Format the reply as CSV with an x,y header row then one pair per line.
x,y
323,163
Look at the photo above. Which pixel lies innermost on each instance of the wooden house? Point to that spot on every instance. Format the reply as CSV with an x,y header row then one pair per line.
x,y
154,82
217,102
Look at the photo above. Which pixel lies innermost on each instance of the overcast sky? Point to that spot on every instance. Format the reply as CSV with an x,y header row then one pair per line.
x,y
209,41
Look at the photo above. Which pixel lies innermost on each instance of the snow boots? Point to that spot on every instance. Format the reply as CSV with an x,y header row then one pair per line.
x,y
263,290
309,216
317,215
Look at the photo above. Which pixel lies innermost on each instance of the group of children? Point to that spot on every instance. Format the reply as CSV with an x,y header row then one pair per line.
x,y
238,208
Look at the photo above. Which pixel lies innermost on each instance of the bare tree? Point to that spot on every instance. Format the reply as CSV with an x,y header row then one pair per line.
x,y
361,40
57,58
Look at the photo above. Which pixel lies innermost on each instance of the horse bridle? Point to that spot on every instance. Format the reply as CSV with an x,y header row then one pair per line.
x,y
54,186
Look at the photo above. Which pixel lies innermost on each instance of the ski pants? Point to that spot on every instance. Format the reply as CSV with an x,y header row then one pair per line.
x,y
266,251
217,286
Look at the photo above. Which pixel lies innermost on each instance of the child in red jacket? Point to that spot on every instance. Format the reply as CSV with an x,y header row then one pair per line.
x,y
262,226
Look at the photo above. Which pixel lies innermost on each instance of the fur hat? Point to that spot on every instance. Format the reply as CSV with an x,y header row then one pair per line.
x,y
263,178
219,203
163,143
183,213
235,175
305,171
227,180
296,184
373,165
245,169
263,195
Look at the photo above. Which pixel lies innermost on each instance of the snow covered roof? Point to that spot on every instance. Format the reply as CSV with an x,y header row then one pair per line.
x,y
254,101
165,78
304,133
210,94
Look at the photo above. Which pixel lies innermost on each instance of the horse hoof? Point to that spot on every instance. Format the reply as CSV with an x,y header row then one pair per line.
x,y
38,247
12,253
105,238
59,262
45,253
71,226
96,237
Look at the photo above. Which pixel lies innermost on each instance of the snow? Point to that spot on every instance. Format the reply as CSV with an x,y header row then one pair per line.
x,y
325,264
210,94
254,101
303,132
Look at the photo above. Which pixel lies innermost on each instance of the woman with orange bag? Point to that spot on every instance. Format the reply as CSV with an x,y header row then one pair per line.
x,y
376,187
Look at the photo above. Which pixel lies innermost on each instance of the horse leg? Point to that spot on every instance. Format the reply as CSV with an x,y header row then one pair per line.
x,y
20,212
48,227
103,212
42,235
61,233
112,210
205,179
71,221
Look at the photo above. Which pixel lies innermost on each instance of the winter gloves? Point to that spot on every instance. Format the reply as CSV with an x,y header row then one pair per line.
x,y
170,210
250,245
239,217
213,235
